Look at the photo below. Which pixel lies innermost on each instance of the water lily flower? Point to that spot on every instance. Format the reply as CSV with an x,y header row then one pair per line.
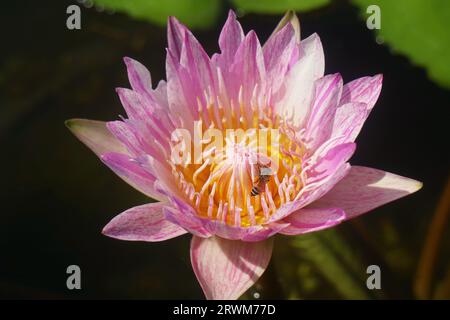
x,y
279,85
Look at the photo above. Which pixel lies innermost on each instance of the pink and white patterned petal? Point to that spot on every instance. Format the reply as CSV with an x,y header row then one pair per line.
x,y
180,99
133,137
95,136
139,76
327,93
175,36
148,120
183,215
364,189
230,39
199,68
365,89
326,162
289,18
247,70
132,173
312,192
279,50
348,121
225,269
250,234
296,103
143,223
328,168
309,220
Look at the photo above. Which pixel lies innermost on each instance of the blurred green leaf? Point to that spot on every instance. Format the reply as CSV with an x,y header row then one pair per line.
x,y
194,13
279,6
419,30
335,260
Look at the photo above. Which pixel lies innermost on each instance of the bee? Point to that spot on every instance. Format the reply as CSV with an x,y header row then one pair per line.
x,y
264,174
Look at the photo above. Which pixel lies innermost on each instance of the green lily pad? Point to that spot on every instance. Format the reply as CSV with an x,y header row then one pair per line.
x,y
194,13
279,6
418,29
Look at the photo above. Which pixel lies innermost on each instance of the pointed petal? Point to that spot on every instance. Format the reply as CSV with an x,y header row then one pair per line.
x,y
148,123
132,173
296,103
358,99
327,162
225,269
364,189
248,68
129,136
348,121
138,75
289,18
142,223
320,123
198,66
365,89
188,62
230,39
278,52
309,220
179,92
175,36
95,136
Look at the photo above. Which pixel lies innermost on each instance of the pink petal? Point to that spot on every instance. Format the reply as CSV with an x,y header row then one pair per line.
x,y
320,123
250,234
289,18
184,215
138,76
300,81
348,121
269,230
181,101
129,137
139,140
142,223
364,189
95,136
225,269
198,66
189,70
165,183
325,185
366,90
329,166
133,104
326,179
175,36
160,94
132,173
327,162
230,39
248,67
148,122
308,220
278,52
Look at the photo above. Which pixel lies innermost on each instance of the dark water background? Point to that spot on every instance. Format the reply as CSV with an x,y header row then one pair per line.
x,y
56,195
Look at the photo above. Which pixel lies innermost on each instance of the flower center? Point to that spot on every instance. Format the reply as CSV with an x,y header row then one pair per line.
x,y
242,182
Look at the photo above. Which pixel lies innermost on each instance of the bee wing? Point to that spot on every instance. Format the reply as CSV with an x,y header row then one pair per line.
x,y
265,171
